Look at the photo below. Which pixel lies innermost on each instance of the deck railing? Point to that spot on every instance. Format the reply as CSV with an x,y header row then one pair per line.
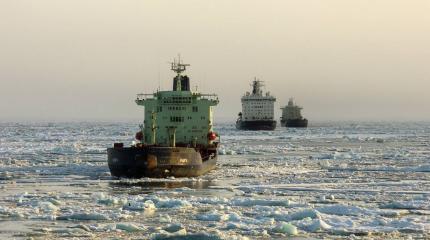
x,y
143,96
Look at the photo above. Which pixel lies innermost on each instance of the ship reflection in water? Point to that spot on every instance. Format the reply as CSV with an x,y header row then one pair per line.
x,y
151,185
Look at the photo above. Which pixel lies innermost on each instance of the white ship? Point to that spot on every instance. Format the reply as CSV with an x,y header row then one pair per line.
x,y
257,109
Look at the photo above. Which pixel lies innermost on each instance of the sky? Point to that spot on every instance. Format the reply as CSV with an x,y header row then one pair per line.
x,y
74,60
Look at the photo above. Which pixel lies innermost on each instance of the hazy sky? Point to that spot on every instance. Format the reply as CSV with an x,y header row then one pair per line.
x,y
340,59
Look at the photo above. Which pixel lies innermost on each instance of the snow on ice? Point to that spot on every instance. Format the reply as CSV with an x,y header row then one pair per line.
x,y
333,180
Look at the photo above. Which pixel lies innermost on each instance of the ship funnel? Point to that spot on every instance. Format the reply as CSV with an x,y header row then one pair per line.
x,y
180,83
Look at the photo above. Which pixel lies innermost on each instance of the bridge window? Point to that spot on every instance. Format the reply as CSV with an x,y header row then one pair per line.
x,y
176,119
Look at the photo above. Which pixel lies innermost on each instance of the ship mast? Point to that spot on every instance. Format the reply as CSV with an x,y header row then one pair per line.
x,y
256,87
178,67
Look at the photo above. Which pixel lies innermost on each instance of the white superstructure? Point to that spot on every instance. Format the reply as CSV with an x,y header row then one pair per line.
x,y
291,111
257,106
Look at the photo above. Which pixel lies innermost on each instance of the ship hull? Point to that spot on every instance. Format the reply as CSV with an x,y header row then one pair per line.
x,y
267,125
159,162
296,123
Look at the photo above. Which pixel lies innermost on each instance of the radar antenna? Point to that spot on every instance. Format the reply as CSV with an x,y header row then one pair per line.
x,y
178,66
257,84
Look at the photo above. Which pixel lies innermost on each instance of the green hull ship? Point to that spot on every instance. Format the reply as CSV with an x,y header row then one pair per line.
x,y
176,137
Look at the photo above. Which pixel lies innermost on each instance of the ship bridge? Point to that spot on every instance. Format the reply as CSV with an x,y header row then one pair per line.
x,y
180,114
257,106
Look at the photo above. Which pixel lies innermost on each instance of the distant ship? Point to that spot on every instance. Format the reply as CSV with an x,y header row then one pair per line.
x,y
257,109
176,138
292,117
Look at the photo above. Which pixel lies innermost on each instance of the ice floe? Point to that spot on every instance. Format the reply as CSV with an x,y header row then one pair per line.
x,y
331,180
286,228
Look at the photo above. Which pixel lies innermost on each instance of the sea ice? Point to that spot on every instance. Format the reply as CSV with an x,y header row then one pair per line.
x,y
180,234
148,205
283,178
84,216
286,228
413,204
213,216
259,202
312,225
165,218
129,227
173,203
339,209
48,207
305,213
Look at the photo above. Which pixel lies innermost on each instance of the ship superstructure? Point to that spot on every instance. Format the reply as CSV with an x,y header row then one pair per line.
x,y
291,115
179,117
176,137
257,109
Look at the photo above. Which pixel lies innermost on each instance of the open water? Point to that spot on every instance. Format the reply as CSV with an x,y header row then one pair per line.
x,y
333,180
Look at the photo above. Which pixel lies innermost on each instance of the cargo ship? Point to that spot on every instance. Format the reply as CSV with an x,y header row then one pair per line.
x,y
292,117
257,109
176,137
